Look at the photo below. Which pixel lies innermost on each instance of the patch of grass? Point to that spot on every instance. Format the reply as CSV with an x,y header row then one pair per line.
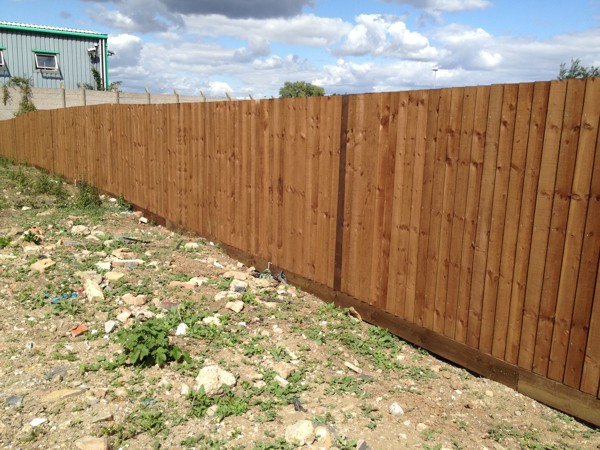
x,y
278,444
228,404
69,356
87,196
369,413
203,442
68,307
346,385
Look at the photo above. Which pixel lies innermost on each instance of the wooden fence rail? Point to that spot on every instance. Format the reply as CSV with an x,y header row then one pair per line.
x,y
466,220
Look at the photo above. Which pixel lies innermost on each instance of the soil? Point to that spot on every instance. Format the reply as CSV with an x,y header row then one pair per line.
x,y
65,375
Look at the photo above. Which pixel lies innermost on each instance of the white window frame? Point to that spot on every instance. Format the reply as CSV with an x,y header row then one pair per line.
x,y
45,54
1,57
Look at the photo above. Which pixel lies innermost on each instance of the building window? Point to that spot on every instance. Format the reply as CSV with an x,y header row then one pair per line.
x,y
46,61
1,57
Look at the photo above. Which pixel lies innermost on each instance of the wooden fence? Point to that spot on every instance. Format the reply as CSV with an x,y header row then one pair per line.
x,y
466,220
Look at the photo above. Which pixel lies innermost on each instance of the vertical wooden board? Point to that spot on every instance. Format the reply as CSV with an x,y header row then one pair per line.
x,y
425,212
482,102
311,201
43,134
362,198
453,133
421,104
263,179
511,220
459,209
391,169
245,224
277,161
581,327
238,221
437,203
252,159
353,191
195,154
496,235
541,222
289,157
484,215
228,198
590,379
79,133
572,311
300,187
171,126
328,186
401,198
524,237
140,151
548,313
384,191
209,171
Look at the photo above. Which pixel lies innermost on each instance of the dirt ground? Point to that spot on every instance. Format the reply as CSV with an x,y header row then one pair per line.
x,y
106,321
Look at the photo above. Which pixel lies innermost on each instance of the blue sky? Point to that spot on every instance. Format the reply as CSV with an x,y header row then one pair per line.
x,y
251,47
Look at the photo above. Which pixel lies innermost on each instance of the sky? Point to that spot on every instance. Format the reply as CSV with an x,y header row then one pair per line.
x,y
252,47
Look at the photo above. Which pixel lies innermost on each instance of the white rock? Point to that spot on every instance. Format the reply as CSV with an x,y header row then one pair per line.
x,y
185,390
93,292
109,326
227,296
300,433
212,378
235,306
137,300
38,421
395,409
238,286
281,381
124,315
92,443
103,265
236,275
80,230
181,329
191,246
198,281
212,320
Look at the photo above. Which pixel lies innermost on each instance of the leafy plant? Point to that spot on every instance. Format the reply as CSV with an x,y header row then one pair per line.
x,y
147,343
24,85
577,70
4,242
31,237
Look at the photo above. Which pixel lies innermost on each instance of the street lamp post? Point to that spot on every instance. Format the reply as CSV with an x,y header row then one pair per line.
x,y
435,71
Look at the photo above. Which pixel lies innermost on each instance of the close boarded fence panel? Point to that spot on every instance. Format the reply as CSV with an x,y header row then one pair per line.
x,y
466,220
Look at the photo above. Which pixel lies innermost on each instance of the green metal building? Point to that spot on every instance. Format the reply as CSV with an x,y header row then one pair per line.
x,y
52,57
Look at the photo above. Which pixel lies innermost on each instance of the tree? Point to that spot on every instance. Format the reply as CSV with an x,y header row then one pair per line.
x,y
577,70
300,89
24,85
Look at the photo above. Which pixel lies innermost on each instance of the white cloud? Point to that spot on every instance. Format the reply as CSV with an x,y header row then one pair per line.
x,y
306,30
385,36
444,5
218,89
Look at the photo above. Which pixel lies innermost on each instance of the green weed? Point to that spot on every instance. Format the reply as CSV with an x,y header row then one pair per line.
x,y
228,404
87,197
147,343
